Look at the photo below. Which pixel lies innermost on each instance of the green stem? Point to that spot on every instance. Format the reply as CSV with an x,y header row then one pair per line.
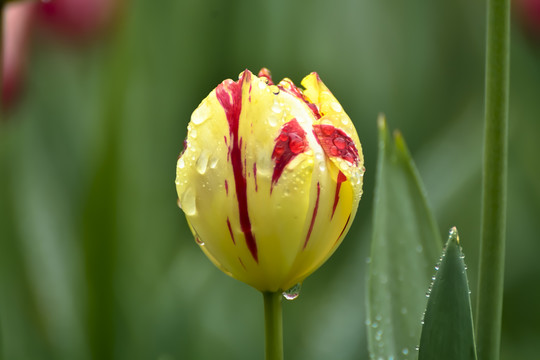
x,y
273,325
492,246
2,22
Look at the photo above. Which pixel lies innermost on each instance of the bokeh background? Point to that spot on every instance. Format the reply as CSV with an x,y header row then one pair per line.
x,y
96,260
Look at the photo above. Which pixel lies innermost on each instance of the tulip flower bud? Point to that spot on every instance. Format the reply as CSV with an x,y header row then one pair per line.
x,y
270,178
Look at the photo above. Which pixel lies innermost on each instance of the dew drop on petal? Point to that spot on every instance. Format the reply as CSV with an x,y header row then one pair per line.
x,y
188,203
199,241
201,114
336,107
274,89
272,121
181,163
277,107
293,292
193,133
202,162
213,162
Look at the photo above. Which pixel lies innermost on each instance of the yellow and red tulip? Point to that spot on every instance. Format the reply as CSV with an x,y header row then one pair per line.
x,y
270,178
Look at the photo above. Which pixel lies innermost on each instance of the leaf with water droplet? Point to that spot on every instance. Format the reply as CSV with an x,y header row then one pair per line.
x,y
448,325
405,245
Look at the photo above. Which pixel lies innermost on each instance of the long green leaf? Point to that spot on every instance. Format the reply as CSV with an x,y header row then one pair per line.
x,y
405,246
448,333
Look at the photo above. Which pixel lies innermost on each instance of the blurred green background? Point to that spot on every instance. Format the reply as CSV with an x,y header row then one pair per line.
x,y
96,260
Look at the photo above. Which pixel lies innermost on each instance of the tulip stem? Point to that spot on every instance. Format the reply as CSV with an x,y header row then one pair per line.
x,y
2,22
492,244
273,325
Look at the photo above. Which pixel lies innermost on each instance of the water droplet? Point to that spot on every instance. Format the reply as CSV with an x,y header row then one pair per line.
x,y
199,241
368,260
419,248
368,322
274,89
436,267
272,121
378,335
404,310
188,203
201,114
276,107
293,292
262,83
336,107
213,162
202,162
375,325
405,351
181,163
378,317
193,133
417,348
322,166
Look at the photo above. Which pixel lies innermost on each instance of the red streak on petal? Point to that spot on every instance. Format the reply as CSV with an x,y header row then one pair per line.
x,y
342,231
341,178
289,87
242,263
226,187
230,230
315,209
335,142
290,142
229,95
265,73
255,176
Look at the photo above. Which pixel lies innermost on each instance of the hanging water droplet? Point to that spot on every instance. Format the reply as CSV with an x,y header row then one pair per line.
x,y
293,292
436,267
188,203
378,335
201,114
405,351
202,162
199,241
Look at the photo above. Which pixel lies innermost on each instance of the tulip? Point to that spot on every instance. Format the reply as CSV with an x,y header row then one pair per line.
x,y
270,178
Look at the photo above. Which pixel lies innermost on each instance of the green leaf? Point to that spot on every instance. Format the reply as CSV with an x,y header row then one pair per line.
x,y
405,246
448,333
